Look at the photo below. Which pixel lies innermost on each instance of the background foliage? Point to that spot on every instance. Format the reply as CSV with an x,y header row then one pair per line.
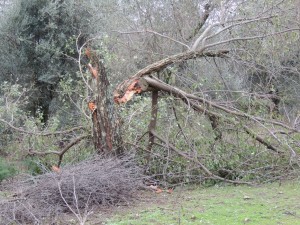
x,y
43,90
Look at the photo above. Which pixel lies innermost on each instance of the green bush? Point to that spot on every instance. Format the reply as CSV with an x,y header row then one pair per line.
x,y
6,170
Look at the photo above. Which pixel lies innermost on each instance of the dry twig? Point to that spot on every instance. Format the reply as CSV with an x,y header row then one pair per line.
x,y
100,181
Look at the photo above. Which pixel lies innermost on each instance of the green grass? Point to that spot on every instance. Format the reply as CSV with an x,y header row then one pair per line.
x,y
264,205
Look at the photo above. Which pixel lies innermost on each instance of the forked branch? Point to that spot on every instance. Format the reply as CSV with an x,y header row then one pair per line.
x,y
61,153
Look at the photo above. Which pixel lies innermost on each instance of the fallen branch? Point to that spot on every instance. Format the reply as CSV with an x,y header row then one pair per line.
x,y
149,83
156,83
188,99
195,160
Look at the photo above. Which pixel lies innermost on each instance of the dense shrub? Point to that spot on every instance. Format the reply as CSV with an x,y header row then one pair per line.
x,y
6,170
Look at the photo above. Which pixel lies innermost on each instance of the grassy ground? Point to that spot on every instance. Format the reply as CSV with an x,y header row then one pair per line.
x,y
266,204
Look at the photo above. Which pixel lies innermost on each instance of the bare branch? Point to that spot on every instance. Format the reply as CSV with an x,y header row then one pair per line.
x,y
42,133
60,153
207,10
202,37
237,23
249,38
79,50
156,33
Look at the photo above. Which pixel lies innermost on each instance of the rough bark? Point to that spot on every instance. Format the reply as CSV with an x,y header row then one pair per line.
x,y
106,135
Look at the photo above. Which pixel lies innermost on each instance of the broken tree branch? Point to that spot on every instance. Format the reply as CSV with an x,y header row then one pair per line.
x,y
160,65
160,85
188,99
193,101
195,160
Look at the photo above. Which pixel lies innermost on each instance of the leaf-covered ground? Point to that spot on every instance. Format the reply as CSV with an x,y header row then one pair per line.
x,y
265,204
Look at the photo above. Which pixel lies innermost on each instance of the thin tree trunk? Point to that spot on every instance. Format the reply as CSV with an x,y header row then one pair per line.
x,y
152,124
106,128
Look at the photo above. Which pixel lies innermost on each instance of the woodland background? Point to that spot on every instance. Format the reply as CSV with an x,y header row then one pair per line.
x,y
221,101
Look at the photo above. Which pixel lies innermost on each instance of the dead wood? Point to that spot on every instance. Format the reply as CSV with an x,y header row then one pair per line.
x,y
206,107
195,160
160,85
100,181
144,80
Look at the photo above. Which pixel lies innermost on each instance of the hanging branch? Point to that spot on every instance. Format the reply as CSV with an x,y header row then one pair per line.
x,y
188,99
193,101
160,85
128,88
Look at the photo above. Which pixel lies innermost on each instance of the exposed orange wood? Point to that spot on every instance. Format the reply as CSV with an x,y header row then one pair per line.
x,y
88,52
133,88
92,106
93,71
56,169
123,88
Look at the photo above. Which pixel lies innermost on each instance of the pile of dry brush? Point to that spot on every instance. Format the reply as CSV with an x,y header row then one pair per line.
x,y
100,181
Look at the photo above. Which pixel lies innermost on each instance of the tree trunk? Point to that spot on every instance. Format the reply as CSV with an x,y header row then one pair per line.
x,y
152,124
106,128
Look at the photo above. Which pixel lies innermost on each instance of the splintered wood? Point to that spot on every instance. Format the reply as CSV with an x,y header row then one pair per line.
x,y
133,88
